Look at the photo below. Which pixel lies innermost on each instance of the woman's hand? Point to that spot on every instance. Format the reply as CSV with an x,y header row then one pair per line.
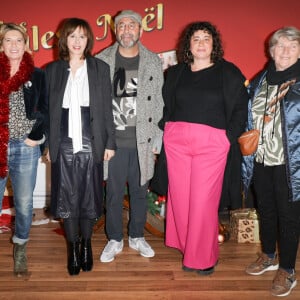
x,y
108,154
47,156
30,143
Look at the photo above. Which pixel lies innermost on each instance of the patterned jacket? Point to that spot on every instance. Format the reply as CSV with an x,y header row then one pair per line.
x,y
290,119
149,106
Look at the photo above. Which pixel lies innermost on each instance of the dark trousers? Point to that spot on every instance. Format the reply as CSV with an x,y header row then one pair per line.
x,y
279,218
76,228
122,168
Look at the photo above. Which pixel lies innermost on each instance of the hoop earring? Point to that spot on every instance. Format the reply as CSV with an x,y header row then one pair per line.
x,y
189,56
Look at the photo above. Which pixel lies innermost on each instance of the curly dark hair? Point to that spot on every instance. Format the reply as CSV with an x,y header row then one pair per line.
x,y
184,53
69,26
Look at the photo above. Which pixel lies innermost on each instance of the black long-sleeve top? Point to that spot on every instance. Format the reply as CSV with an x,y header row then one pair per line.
x,y
199,97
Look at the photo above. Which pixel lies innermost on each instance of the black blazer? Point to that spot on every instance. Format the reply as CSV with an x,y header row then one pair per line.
x,y
101,118
36,106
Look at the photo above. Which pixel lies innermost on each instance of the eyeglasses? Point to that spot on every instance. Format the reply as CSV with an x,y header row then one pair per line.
x,y
130,26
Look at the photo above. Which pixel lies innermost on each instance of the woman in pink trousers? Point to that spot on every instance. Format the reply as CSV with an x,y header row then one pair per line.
x,y
205,112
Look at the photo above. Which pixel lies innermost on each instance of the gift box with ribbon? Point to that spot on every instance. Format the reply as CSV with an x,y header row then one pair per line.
x,y
244,225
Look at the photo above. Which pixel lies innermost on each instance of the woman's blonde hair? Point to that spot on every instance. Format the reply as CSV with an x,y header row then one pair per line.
x,y
6,27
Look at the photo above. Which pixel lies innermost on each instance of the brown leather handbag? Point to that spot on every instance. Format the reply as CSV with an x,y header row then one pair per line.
x,y
249,142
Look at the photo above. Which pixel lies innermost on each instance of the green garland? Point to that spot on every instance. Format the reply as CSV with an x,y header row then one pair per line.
x,y
154,201
154,206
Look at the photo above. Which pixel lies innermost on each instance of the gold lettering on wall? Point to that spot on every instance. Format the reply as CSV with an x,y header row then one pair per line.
x,y
48,36
160,15
153,20
35,38
147,20
104,21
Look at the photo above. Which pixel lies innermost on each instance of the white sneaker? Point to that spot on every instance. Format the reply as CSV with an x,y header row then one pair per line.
x,y
139,244
111,249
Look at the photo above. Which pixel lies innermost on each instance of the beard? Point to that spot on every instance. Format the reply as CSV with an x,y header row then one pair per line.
x,y
129,43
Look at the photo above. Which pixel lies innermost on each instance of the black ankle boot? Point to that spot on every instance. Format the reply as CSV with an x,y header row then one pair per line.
x,y
86,255
73,258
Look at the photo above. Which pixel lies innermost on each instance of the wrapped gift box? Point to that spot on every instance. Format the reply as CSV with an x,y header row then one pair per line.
x,y
244,225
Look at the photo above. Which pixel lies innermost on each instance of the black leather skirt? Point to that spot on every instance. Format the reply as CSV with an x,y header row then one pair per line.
x,y
76,181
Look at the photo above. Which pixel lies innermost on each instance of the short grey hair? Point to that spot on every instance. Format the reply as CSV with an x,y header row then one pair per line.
x,y
289,32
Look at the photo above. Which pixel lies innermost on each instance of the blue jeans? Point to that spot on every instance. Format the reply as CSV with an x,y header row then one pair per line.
x,y
22,170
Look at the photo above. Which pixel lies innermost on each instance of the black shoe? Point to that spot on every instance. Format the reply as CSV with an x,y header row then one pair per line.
x,y
86,255
206,272
187,269
73,258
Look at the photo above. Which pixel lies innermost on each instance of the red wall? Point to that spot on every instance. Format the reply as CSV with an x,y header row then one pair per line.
x,y
244,25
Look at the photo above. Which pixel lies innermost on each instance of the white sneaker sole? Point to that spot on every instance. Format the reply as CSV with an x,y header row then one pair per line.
x,y
288,292
270,268
142,254
110,260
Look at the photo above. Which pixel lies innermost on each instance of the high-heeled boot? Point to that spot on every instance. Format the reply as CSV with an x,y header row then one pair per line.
x,y
73,258
86,255
20,260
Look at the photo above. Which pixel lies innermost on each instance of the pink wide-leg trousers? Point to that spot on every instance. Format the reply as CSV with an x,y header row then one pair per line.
x,y
196,158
